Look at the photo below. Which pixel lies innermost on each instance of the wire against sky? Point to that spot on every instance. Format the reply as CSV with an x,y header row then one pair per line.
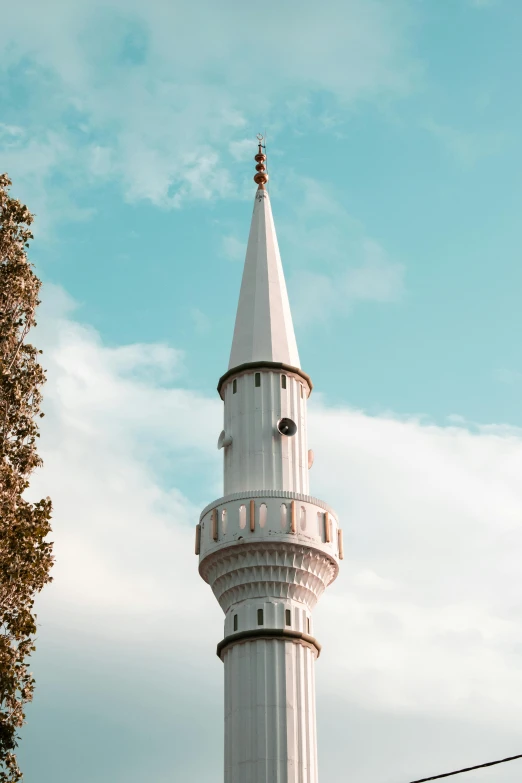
x,y
467,769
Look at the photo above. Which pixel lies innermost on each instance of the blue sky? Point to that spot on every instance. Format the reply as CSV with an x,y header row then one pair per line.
x,y
393,133
127,127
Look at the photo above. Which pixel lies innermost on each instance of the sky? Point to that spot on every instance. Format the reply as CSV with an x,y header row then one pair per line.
x,y
395,169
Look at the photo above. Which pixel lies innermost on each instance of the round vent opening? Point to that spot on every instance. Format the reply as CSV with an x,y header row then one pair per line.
x,y
287,427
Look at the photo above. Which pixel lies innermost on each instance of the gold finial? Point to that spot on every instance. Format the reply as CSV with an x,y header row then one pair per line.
x,y
261,177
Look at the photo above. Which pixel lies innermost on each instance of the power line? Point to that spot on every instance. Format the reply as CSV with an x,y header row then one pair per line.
x,y
467,769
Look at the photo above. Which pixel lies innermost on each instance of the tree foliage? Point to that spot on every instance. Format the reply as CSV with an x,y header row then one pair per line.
x,y
25,555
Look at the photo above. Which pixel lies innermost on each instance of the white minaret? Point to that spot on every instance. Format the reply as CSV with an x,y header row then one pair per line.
x,y
267,548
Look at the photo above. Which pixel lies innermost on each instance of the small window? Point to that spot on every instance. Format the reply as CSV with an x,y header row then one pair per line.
x,y
302,390
242,517
257,379
234,386
235,622
283,381
302,518
288,617
260,619
283,516
307,625
224,520
262,514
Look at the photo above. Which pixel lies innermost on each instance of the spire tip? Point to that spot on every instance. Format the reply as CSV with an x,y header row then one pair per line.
x,y
261,176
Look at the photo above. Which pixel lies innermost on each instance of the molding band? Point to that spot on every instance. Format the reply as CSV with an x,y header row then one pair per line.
x,y
285,494
268,633
267,366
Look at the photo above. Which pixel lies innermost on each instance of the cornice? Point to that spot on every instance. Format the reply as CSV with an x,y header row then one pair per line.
x,y
268,633
265,365
268,493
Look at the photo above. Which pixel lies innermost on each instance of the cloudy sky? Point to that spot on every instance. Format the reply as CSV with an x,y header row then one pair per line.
x,y
396,182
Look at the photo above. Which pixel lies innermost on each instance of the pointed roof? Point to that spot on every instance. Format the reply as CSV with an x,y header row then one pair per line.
x,y
264,330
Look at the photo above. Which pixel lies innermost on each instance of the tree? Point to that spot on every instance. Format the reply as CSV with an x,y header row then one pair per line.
x,y
25,554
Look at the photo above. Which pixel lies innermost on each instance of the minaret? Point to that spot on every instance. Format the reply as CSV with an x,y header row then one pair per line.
x,y
267,548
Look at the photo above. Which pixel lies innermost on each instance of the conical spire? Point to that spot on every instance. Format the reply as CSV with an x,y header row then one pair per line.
x,y
264,330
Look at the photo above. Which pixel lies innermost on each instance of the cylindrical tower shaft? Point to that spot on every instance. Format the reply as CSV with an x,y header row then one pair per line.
x,y
270,730
261,457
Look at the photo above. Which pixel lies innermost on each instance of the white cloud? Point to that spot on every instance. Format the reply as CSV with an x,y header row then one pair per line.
x,y
233,248
338,263
10,130
467,147
429,603
32,159
202,322
242,149
376,279
112,420
507,376
158,100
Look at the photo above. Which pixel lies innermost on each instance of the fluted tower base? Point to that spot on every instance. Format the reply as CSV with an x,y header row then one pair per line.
x,y
270,731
